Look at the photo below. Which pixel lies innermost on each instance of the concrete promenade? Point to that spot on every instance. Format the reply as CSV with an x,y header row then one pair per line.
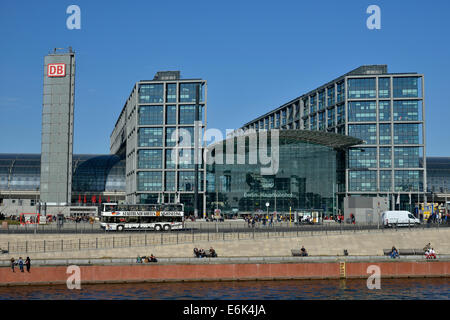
x,y
362,243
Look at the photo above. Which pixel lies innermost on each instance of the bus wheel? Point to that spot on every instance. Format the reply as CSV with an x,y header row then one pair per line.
x,y
166,227
158,227
119,228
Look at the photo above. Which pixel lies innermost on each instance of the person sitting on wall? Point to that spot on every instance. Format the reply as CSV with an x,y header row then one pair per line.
x,y
394,253
196,253
212,252
152,258
303,252
138,259
431,254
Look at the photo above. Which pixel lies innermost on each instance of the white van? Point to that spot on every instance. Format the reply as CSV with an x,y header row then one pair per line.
x,y
399,218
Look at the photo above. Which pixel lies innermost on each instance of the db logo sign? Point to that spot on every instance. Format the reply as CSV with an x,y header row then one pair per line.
x,y
56,69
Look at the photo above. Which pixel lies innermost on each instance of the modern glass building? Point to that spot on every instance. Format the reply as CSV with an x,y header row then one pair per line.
x,y
99,176
311,168
438,175
155,134
385,110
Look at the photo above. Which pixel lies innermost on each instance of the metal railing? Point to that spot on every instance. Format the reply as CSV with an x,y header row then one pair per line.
x,y
220,231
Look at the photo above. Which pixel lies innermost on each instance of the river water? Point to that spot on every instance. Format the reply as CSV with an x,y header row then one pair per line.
x,y
426,289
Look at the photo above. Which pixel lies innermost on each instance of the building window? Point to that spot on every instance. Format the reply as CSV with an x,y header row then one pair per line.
x,y
362,158
362,181
408,180
170,181
366,132
186,180
406,133
330,96
313,104
321,99
406,110
331,120
150,137
385,134
187,114
171,137
313,123
149,181
150,159
340,114
340,92
385,157
186,158
171,114
171,93
188,92
170,163
384,110
150,115
361,88
407,157
305,107
151,93
384,87
360,111
385,181
321,120
405,87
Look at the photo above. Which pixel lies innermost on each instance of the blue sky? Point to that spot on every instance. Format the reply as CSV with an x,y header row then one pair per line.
x,y
255,56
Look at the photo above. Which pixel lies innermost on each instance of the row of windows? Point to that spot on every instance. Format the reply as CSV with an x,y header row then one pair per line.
x,y
153,137
403,133
152,181
358,111
154,93
153,115
404,180
404,157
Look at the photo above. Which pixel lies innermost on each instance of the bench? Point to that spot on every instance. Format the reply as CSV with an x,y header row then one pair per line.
x,y
296,253
405,252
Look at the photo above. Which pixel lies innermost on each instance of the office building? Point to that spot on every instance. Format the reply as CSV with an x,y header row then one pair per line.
x,y
155,134
385,110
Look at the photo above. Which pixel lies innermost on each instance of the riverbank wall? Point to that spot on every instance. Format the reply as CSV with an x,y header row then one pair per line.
x,y
231,270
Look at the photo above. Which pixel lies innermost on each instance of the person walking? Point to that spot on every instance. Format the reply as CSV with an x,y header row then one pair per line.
x,y
13,263
20,264
28,264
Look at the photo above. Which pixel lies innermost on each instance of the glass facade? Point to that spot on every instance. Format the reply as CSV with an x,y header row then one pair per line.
x,y
384,87
188,92
360,111
149,181
366,132
301,182
151,93
150,159
407,87
362,158
407,110
362,180
361,88
150,137
150,115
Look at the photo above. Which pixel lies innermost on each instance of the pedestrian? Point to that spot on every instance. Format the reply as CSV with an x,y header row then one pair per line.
x,y
20,264
13,263
28,264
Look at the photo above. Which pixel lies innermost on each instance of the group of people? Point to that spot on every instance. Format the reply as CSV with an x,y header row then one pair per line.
x,y
21,263
429,252
201,253
152,258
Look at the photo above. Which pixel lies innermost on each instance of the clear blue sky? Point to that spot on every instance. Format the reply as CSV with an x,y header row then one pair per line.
x,y
255,56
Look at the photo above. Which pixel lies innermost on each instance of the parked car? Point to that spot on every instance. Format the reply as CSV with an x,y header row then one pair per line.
x,y
399,218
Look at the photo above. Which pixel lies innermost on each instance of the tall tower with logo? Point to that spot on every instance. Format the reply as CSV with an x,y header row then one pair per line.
x,y
57,127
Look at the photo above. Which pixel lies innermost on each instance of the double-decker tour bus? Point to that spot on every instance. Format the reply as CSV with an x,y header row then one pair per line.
x,y
118,217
